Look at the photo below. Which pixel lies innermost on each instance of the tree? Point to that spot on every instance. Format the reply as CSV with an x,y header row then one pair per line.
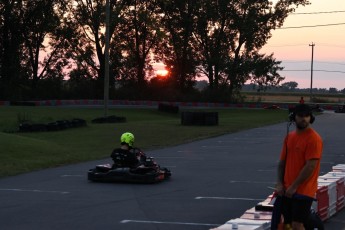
x,y
176,50
291,85
259,69
140,35
220,39
230,35
212,39
89,23
33,37
10,44
45,35
333,90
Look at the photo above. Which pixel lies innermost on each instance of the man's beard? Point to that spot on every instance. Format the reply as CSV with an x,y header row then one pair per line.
x,y
302,125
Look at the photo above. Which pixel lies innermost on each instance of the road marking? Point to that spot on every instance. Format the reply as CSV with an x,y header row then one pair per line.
x,y
266,170
252,182
165,222
29,190
72,175
168,157
215,146
226,198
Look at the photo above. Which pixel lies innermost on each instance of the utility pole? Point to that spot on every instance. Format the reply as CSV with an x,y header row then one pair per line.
x,y
311,71
106,58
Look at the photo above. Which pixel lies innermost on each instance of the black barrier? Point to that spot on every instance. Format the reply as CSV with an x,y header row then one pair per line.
x,y
199,118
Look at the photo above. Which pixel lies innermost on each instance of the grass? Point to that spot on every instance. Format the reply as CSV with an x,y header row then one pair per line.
x,y
292,97
25,152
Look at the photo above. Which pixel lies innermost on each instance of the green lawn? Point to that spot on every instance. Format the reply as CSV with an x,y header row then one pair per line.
x,y
24,152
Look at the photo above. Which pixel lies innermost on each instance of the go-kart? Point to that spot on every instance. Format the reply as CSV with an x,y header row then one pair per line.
x,y
146,171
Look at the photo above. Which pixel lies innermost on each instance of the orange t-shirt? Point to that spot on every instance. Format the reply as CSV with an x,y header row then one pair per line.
x,y
302,147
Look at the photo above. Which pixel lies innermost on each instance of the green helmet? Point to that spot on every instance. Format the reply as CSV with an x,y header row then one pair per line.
x,y
127,138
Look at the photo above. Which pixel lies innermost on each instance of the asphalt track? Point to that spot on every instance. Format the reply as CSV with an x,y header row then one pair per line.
x,y
213,180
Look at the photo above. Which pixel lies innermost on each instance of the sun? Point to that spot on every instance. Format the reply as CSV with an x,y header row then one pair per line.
x,y
162,72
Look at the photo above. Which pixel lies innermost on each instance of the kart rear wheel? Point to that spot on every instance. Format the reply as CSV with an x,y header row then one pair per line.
x,y
167,172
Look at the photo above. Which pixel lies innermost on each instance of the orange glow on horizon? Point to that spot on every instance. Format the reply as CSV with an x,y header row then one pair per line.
x,y
162,72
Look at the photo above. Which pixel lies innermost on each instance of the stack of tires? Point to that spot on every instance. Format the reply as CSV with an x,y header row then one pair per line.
x,y
199,118
52,126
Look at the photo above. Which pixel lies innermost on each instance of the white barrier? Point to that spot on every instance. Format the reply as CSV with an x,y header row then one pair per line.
x,y
245,224
330,200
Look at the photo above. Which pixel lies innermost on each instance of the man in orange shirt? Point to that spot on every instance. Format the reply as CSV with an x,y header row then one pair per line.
x,y
299,168
301,101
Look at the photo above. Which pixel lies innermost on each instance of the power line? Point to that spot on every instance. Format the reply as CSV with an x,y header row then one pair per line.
x,y
325,62
333,63
315,70
298,27
291,45
323,12
293,61
286,45
330,45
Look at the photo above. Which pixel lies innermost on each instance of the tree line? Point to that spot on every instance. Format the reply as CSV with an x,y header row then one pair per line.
x,y
292,87
54,49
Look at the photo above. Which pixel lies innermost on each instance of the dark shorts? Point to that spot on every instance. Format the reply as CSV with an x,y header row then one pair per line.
x,y
296,209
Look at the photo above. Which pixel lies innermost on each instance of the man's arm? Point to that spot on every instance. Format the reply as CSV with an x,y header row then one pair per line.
x,y
305,173
280,178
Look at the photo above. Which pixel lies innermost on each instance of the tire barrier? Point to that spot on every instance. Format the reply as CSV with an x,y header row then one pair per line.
x,y
199,118
109,119
52,126
168,108
86,102
22,103
330,199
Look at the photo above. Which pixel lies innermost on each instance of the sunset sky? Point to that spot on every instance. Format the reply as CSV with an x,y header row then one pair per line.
x,y
291,45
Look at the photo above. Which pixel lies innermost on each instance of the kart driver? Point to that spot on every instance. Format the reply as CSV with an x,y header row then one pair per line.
x,y
123,156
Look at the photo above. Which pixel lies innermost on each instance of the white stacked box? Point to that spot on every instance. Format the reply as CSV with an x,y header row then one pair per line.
x,y
334,174
321,206
252,214
245,224
339,168
339,177
332,193
330,197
